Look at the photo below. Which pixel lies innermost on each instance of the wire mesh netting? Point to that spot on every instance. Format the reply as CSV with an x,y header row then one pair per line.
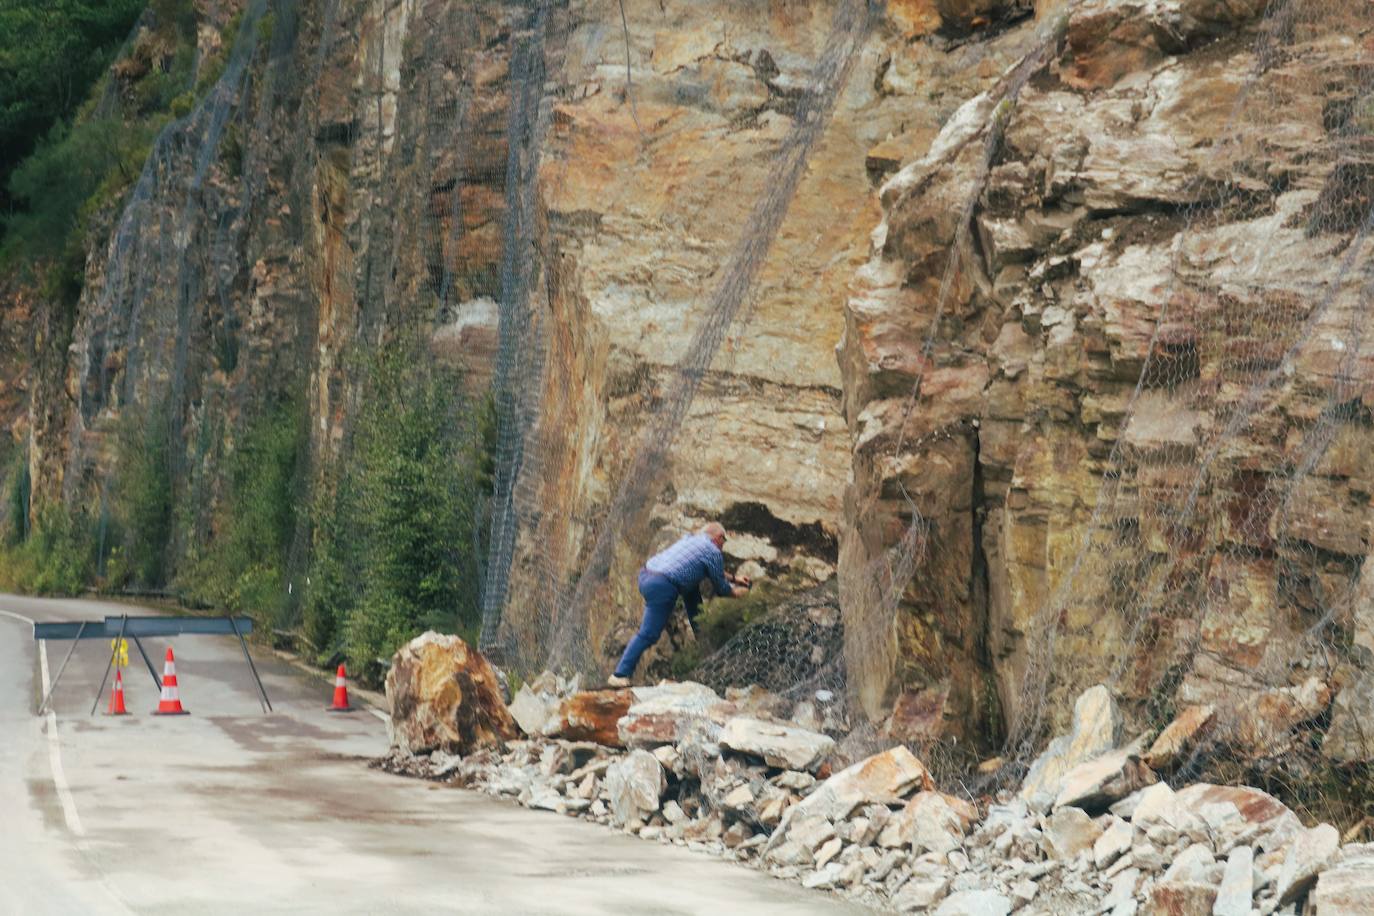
x,y
1220,557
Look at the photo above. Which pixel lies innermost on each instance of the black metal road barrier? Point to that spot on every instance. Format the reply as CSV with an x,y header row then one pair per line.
x,y
134,627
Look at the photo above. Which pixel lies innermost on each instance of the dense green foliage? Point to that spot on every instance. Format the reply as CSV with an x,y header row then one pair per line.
x,y
243,566
17,491
395,547
143,501
51,51
65,163
57,558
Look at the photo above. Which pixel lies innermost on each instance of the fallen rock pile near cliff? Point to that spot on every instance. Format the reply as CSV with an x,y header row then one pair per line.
x,y
1092,828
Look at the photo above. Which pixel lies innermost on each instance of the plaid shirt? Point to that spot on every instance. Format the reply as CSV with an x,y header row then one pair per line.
x,y
692,558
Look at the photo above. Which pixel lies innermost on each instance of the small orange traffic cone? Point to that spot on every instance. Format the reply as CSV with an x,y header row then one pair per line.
x,y
170,703
340,693
117,697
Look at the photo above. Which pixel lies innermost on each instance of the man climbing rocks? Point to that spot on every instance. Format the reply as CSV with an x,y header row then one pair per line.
x,y
678,571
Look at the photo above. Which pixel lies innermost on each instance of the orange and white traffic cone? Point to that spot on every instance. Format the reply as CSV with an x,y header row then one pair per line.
x,y
340,693
117,697
170,703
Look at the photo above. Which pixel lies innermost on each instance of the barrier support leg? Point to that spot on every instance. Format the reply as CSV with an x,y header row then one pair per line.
x,y
63,667
157,681
262,692
100,691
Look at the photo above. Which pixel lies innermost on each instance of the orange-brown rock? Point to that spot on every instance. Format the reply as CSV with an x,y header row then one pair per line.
x,y
1179,737
591,715
444,696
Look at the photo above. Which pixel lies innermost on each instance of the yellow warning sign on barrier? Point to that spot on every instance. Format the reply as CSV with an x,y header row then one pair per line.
x,y
121,654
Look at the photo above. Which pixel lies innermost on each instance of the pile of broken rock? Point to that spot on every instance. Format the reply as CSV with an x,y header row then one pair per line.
x,y
1092,830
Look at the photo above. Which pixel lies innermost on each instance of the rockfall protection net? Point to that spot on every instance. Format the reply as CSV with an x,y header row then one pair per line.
x,y
174,230
1208,564
572,566
1250,367
1211,569
1208,570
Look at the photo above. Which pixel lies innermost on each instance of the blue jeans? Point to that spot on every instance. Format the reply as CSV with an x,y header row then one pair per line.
x,y
660,597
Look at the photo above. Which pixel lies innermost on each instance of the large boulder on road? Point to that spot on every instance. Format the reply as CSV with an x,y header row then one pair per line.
x,y
445,696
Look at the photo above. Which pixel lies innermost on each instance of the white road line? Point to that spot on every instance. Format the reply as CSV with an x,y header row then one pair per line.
x,y
59,776
379,714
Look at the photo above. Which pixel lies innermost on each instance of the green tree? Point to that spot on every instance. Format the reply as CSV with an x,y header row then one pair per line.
x,y
51,51
395,550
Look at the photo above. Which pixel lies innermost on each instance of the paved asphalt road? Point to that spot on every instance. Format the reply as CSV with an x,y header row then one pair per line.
x,y
228,810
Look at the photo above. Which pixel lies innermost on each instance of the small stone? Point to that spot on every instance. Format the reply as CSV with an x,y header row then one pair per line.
x,y
1114,843
590,715
974,903
890,774
788,854
1190,865
534,712
920,893
1120,865
735,835
851,874
930,821
794,780
1181,898
1023,892
738,799
779,745
667,755
673,813
1122,888
1162,835
635,784
543,798
1237,884
857,830
703,829
1096,728
1159,804
1148,857
811,832
885,865
771,811
669,714
1307,855
878,818
1346,888
828,850
1180,736
1069,831
1235,815
1097,783
822,878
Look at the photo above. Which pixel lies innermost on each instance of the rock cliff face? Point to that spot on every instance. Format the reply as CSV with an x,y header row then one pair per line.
x,y
1140,376
1156,186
